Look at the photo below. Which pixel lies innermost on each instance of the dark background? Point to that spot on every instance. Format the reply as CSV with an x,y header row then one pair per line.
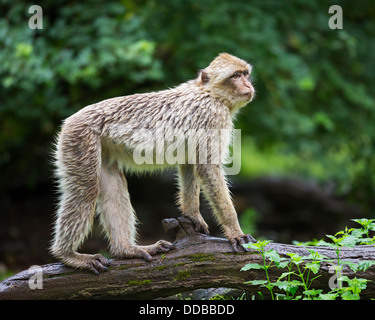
x,y
308,139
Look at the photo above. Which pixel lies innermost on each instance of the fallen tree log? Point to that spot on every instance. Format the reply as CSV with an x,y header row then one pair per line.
x,y
199,261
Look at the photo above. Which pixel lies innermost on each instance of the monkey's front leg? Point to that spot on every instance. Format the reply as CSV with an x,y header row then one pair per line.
x,y
216,190
189,197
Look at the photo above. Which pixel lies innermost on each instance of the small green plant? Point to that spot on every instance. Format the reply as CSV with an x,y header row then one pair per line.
x,y
306,268
301,271
350,238
270,254
363,233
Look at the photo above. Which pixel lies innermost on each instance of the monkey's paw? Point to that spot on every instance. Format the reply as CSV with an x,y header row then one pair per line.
x,y
146,252
95,263
199,225
237,242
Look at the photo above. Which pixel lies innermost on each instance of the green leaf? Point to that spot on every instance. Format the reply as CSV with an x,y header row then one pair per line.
x,y
365,223
313,266
358,233
367,241
283,264
273,256
324,243
315,255
312,292
282,296
285,274
350,296
352,265
355,284
251,266
328,296
296,259
289,286
259,246
364,265
256,282
349,241
334,239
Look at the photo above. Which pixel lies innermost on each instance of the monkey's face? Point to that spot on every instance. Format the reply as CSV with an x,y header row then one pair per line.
x,y
236,88
228,78
241,87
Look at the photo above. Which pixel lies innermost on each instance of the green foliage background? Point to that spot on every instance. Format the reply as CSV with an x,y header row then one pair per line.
x,y
313,115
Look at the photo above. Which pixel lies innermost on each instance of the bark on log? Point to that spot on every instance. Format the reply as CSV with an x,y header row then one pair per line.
x,y
199,261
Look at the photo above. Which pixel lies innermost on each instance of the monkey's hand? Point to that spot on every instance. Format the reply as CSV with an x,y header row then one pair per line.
x,y
199,225
94,263
146,252
237,242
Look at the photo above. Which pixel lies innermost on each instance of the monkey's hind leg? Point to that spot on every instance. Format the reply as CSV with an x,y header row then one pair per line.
x,y
75,218
118,218
78,163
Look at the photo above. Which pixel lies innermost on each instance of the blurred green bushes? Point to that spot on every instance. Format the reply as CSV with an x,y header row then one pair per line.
x,y
315,86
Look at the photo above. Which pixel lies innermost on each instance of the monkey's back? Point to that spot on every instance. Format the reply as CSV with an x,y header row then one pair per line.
x,y
124,123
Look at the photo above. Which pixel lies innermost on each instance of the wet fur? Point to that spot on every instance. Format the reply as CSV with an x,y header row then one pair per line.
x,y
96,145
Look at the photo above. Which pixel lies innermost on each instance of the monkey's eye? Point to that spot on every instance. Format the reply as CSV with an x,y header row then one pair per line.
x,y
236,75
246,73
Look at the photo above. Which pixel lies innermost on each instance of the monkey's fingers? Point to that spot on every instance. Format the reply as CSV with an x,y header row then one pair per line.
x,y
249,238
202,229
96,267
145,255
238,242
146,252
164,246
98,264
198,226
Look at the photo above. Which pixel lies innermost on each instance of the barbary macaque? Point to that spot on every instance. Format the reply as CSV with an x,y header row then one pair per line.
x,y
99,142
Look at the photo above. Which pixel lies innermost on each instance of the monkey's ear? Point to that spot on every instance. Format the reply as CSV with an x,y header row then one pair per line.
x,y
203,77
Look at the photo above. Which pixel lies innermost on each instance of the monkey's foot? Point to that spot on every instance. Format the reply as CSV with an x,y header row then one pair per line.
x,y
237,242
146,252
95,263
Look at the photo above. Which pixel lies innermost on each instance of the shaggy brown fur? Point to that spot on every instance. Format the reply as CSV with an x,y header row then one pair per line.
x,y
97,143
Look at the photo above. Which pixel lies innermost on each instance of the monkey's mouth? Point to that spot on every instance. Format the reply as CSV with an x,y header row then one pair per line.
x,y
249,95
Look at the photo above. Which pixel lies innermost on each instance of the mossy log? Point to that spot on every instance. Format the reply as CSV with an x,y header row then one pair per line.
x,y
198,261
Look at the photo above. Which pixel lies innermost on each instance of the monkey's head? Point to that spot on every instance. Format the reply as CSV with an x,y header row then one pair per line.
x,y
228,79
